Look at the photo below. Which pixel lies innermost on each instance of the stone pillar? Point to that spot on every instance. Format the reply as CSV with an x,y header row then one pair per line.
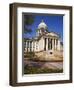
x,y
52,44
32,46
47,44
26,47
58,46
55,44
29,46
35,46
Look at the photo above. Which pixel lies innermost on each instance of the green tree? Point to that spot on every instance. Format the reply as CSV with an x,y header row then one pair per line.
x,y
28,21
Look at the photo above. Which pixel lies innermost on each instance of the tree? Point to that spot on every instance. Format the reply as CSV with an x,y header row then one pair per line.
x,y
28,21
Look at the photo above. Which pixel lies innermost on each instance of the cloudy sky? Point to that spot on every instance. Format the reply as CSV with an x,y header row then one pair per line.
x,y
54,23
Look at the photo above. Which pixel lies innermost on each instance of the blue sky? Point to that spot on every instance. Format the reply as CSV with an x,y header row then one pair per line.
x,y
54,23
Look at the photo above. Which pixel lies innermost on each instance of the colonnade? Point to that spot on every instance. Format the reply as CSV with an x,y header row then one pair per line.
x,y
51,44
29,45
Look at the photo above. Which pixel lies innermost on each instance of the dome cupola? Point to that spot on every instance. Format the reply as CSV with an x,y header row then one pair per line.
x,y
42,25
42,28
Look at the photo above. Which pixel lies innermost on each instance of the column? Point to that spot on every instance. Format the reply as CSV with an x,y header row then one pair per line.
x,y
49,43
46,43
52,44
29,46
55,44
58,46
26,47
32,46
35,45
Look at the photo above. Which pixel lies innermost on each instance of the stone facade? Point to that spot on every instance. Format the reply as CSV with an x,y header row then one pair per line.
x,y
43,41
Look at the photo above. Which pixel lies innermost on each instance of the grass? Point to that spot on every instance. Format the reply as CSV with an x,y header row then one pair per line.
x,y
37,70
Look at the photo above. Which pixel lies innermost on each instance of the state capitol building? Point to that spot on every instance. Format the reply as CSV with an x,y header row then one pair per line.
x,y
43,41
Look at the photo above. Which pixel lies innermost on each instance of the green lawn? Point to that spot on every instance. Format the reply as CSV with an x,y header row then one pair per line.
x,y
37,70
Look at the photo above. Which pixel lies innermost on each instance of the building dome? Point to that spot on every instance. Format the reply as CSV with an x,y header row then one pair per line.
x,y
42,25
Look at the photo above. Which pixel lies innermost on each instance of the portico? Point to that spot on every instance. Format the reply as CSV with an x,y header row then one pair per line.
x,y
50,44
